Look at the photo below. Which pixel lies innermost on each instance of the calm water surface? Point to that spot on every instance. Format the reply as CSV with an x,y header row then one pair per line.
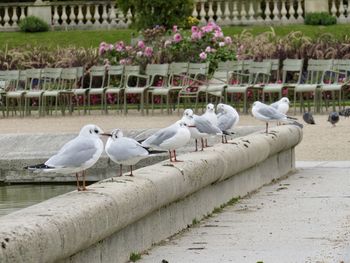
x,y
15,197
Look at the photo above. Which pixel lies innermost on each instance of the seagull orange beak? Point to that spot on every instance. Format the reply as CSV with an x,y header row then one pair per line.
x,y
106,134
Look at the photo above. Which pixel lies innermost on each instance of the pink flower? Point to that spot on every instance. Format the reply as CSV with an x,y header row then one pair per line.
x,y
196,35
102,48
208,49
175,28
228,40
218,34
141,44
122,61
128,48
139,53
194,29
148,51
221,44
203,56
119,46
177,37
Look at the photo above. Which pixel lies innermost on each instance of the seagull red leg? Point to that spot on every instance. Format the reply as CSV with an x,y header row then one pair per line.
x,y
78,185
120,170
84,185
131,171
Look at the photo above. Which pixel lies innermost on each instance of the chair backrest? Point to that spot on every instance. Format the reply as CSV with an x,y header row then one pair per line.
x,y
342,68
198,71
115,76
260,71
33,78
292,67
51,77
275,69
69,78
97,72
316,69
157,73
177,71
10,79
226,65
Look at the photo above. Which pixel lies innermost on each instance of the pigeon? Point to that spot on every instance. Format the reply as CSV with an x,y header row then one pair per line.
x,y
333,118
268,114
227,118
308,118
345,112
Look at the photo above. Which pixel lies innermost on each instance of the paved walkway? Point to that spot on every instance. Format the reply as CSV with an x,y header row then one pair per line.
x,y
305,218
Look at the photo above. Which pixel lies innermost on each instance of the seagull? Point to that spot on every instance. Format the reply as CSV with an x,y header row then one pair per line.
x,y
333,118
268,114
199,126
170,139
210,114
281,105
125,151
308,118
227,118
76,155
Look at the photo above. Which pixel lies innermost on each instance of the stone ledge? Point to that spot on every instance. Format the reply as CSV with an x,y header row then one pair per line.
x,y
120,215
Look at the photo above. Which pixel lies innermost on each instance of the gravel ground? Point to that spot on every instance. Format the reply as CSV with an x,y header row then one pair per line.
x,y
320,142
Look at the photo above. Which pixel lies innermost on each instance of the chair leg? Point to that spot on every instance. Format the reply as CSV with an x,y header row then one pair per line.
x,y
295,102
125,104
152,101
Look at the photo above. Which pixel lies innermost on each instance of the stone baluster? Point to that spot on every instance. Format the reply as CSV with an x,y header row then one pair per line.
x,y
275,12
96,15
333,9
284,12
121,19
104,15
22,15
112,15
243,13
88,16
227,19
202,14
194,12
341,17
292,12
80,16
64,15
128,17
14,17
235,14
219,16
300,12
259,12
268,13
6,17
55,16
251,13
210,12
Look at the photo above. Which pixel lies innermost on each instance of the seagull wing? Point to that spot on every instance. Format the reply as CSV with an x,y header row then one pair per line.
x,y
205,126
160,136
226,121
271,113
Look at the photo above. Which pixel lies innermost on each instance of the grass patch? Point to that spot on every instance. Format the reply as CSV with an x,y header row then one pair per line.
x,y
92,38
134,257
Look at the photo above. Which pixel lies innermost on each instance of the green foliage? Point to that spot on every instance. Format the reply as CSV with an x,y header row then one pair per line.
x,y
320,18
135,257
33,24
150,13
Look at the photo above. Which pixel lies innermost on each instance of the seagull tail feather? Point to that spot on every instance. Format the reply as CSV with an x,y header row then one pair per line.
x,y
291,118
37,167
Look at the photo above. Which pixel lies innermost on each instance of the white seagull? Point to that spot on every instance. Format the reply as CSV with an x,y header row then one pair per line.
x,y
169,138
76,155
199,126
210,114
268,114
227,118
125,151
281,105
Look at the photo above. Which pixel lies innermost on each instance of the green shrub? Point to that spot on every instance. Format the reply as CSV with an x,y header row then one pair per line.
x,y
320,18
152,13
33,24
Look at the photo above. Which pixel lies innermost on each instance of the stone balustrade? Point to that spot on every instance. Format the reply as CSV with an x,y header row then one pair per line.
x,y
106,14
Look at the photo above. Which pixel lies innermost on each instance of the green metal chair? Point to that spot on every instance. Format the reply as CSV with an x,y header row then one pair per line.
x,y
130,81
68,83
79,89
11,91
52,89
176,79
34,90
96,72
195,83
334,82
291,76
115,85
311,83
145,83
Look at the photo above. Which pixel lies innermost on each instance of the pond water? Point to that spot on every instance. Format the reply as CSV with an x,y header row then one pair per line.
x,y
15,197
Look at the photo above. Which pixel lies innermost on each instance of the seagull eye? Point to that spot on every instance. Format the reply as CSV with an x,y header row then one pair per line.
x,y
96,131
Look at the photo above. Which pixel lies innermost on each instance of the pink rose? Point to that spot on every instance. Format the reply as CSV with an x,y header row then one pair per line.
x,y
203,56
177,37
175,28
228,40
141,44
194,29
148,51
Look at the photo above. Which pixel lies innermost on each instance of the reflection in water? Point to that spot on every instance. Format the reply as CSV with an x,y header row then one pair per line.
x,y
15,197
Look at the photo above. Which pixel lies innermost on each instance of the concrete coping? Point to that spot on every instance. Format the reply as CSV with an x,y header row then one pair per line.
x,y
64,225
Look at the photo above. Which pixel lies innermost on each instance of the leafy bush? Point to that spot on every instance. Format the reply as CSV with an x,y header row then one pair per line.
x,y
33,24
150,13
320,18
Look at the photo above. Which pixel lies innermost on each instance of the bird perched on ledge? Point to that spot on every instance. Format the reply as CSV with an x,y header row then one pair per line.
x,y
227,118
76,156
